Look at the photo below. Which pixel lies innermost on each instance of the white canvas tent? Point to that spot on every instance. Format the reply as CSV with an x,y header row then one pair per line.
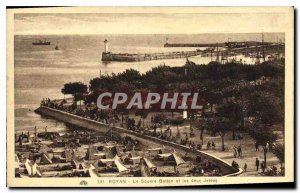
x,y
105,161
117,161
17,162
45,159
32,168
149,163
165,156
92,171
136,160
120,165
178,159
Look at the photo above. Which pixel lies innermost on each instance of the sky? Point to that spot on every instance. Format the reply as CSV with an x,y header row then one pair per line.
x,y
145,23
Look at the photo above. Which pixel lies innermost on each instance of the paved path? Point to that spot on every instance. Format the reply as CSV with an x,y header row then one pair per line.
x,y
247,143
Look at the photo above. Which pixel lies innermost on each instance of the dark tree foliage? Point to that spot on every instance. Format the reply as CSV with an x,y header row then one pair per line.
x,y
177,121
266,107
278,151
220,125
77,89
159,118
262,133
232,111
74,88
214,77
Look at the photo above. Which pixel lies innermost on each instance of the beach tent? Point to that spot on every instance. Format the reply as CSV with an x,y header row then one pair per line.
x,y
57,150
32,169
109,146
35,171
165,156
28,166
84,146
105,161
46,142
178,159
117,174
149,163
91,152
136,160
17,162
45,159
155,151
92,172
119,164
44,149
100,154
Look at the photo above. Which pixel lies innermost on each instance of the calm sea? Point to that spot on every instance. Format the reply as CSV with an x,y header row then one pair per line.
x,y
41,71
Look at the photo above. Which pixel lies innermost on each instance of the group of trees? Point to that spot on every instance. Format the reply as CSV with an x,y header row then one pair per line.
x,y
231,92
262,108
190,77
76,89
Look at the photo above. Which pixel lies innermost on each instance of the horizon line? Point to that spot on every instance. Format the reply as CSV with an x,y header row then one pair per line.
x,y
20,34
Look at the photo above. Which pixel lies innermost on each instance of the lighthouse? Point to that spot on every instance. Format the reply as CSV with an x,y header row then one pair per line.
x,y
106,55
105,46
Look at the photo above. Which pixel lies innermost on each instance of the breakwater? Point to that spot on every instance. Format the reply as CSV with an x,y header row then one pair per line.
x,y
124,57
195,45
104,128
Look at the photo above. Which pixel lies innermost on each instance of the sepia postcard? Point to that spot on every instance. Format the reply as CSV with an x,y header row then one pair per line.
x,y
150,96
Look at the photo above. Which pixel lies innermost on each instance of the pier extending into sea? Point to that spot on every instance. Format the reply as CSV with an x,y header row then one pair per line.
x,y
124,57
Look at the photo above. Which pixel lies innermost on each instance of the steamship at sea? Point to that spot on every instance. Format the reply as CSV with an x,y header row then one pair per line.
x,y
40,42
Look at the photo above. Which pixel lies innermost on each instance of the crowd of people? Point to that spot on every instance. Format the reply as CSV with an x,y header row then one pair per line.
x,y
155,129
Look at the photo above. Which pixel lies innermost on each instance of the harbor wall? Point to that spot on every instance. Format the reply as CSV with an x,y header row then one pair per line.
x,y
123,57
198,45
103,128
243,44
